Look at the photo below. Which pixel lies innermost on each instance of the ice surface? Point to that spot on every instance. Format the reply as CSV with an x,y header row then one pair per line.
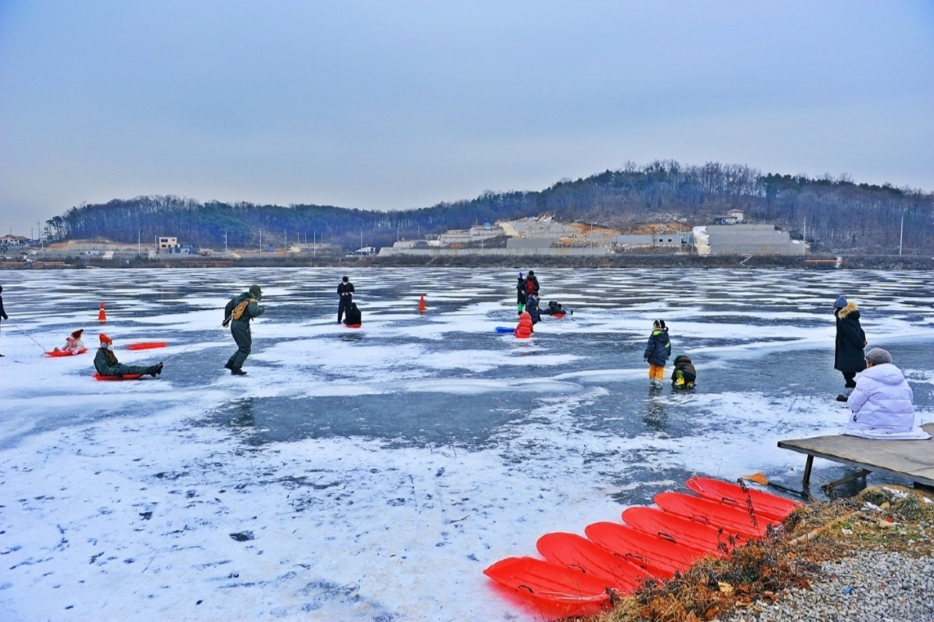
x,y
372,474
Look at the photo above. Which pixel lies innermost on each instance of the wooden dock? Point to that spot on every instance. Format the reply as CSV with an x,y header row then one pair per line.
x,y
912,460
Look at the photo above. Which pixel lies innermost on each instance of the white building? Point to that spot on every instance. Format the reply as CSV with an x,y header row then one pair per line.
x,y
165,243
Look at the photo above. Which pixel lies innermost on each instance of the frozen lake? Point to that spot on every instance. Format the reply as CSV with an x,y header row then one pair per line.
x,y
373,474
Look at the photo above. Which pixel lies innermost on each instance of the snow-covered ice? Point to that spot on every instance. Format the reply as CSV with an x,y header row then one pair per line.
x,y
373,474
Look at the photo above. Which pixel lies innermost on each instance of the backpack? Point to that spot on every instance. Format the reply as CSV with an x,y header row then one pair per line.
x,y
529,286
238,311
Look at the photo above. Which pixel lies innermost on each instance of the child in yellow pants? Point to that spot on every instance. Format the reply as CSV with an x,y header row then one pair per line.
x,y
657,352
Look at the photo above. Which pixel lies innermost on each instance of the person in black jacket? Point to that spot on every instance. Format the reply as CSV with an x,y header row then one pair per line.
x,y
2,312
851,340
657,352
345,291
531,306
354,317
555,308
531,283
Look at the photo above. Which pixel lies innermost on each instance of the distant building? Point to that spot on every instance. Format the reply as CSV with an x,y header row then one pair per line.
x,y
745,240
468,236
657,239
167,243
732,217
14,240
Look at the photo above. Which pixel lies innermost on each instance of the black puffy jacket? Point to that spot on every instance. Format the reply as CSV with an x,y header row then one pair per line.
x,y
851,340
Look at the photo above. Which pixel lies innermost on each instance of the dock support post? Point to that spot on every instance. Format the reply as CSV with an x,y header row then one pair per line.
x,y
806,482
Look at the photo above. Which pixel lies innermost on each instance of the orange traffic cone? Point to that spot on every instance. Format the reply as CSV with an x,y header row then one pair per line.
x,y
421,304
102,314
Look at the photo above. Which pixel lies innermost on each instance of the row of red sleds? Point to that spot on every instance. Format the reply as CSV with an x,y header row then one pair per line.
x,y
579,574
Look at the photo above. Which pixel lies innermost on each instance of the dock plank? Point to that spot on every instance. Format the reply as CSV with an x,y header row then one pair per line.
x,y
913,460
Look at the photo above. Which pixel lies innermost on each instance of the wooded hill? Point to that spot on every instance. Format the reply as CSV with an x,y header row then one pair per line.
x,y
838,215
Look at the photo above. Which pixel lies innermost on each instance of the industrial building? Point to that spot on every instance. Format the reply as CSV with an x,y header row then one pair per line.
x,y
745,240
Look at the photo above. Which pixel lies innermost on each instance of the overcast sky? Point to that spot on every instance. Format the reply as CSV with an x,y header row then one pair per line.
x,y
388,105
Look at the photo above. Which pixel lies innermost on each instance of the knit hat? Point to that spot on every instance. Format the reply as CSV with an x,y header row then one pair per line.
x,y
840,302
256,292
106,339
878,356
77,333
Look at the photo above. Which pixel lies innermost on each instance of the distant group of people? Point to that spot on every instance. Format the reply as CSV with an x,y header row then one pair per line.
x,y
528,305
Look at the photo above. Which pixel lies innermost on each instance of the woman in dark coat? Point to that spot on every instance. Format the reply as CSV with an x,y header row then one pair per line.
x,y
848,355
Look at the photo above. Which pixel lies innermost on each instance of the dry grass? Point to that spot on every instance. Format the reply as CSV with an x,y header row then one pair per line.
x,y
762,571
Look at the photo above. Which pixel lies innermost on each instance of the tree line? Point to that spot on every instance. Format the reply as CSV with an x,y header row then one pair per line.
x,y
836,215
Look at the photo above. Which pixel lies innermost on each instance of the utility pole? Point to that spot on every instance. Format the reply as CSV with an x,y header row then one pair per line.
x,y
225,244
901,234
314,243
139,243
260,240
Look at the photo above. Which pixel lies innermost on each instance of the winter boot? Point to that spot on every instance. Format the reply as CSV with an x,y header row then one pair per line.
x,y
236,371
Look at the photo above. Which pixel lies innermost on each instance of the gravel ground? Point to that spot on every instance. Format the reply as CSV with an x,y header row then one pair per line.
x,y
873,585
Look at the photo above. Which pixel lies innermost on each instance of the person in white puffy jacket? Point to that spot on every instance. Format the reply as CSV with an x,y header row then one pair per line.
x,y
882,402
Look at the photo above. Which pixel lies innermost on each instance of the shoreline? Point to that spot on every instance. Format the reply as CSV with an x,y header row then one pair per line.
x,y
689,262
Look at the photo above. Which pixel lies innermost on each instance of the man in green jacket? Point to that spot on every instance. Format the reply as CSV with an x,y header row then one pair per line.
x,y
106,363
238,313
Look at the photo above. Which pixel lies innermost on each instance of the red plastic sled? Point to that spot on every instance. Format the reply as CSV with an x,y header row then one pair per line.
x,y
576,552
660,558
353,325
559,316
709,512
578,593
123,377
58,353
147,345
769,505
680,530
